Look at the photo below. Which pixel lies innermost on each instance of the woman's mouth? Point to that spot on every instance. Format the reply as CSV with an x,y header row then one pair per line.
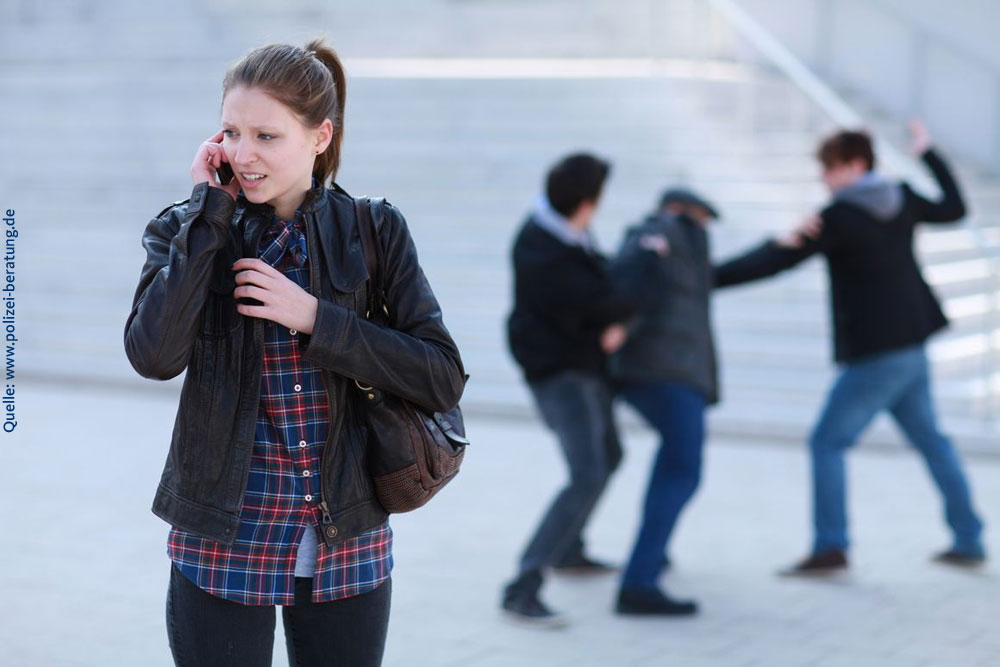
x,y
251,180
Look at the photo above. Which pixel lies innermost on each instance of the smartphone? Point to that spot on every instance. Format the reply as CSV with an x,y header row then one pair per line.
x,y
225,173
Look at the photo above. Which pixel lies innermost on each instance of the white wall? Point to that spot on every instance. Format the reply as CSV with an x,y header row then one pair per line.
x,y
936,59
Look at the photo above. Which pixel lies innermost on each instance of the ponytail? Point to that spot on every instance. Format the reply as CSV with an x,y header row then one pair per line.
x,y
328,162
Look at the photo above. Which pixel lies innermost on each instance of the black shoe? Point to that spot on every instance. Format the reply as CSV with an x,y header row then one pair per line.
x,y
961,558
652,603
583,565
822,564
527,608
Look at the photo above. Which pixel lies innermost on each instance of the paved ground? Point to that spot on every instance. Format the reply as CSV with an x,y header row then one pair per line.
x,y
85,568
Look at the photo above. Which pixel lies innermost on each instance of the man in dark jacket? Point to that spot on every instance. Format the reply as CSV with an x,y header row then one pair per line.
x,y
667,371
566,317
883,312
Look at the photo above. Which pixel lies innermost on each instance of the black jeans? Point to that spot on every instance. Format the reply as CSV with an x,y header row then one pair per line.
x,y
207,630
577,407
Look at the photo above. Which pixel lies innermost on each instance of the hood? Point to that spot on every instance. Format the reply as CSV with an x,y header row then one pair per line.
x,y
874,193
556,224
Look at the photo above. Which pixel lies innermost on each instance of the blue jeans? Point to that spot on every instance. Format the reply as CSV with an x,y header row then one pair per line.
x,y
578,408
677,412
897,381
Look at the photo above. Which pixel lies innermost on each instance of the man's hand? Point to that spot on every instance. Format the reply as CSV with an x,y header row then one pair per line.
x,y
920,139
613,338
810,228
656,242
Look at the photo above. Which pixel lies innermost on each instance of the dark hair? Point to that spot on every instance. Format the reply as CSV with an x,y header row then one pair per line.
x,y
845,146
310,81
575,179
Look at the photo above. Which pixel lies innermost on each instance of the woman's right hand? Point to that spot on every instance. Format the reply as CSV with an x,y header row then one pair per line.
x,y
210,157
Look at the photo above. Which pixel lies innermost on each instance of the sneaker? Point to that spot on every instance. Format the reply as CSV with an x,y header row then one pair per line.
x,y
637,602
583,565
527,608
822,564
961,558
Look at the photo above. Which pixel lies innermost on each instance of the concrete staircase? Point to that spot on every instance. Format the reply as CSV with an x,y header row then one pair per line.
x,y
104,131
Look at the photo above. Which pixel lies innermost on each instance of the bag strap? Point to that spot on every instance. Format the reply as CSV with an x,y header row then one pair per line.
x,y
368,231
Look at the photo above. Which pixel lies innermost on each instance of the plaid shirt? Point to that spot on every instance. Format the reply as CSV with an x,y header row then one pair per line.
x,y
283,490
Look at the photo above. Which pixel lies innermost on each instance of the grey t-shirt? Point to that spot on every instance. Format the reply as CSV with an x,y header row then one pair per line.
x,y
305,558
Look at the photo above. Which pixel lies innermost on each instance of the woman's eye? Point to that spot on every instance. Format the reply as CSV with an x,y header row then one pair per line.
x,y
228,133
266,137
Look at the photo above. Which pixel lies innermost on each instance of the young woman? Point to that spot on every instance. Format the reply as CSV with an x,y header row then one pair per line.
x,y
257,287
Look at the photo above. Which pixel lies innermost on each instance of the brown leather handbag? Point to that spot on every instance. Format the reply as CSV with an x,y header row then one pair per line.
x,y
412,453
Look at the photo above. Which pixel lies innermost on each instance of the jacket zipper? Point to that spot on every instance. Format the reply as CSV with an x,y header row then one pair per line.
x,y
316,291
327,519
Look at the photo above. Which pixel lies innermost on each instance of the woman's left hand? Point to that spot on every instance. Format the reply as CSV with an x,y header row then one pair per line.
x,y
283,300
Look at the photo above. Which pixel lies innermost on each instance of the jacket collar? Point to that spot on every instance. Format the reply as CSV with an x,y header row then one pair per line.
x,y
313,201
558,226
330,221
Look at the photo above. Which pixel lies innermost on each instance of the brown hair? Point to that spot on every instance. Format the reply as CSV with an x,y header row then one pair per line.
x,y
310,81
574,180
845,146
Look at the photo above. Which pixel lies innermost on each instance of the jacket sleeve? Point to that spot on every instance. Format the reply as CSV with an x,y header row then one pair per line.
x,y
951,206
173,284
416,359
763,261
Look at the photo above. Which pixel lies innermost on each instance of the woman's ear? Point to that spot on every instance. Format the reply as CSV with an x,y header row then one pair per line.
x,y
324,133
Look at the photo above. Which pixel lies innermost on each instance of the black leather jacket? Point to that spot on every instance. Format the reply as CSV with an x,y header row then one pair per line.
x,y
184,316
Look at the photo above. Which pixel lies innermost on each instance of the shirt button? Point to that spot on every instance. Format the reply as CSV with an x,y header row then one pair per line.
x,y
292,331
306,473
308,498
298,387
302,443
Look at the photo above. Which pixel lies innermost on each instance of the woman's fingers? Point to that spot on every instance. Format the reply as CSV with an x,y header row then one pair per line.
x,y
208,159
212,153
254,292
256,271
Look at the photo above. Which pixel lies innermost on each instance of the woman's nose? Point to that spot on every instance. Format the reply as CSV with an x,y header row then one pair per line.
x,y
244,154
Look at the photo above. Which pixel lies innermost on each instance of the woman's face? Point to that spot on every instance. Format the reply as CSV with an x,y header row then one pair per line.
x,y
263,137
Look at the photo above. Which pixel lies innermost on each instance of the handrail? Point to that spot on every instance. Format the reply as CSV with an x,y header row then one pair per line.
x,y
842,113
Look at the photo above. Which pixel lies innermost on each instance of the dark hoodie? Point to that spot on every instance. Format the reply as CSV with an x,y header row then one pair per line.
x,y
879,299
563,299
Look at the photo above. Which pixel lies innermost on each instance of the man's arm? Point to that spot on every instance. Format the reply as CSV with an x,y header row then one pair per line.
x,y
594,299
951,206
764,261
